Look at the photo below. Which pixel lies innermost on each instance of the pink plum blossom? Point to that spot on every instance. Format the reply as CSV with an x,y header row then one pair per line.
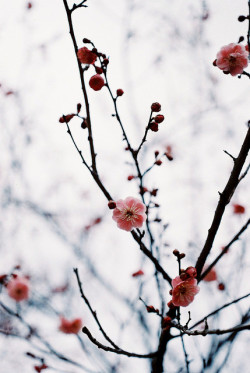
x,y
18,289
232,58
183,292
70,327
129,213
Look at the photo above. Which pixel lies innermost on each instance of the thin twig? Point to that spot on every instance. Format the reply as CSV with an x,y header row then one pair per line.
x,y
219,309
114,350
92,311
235,238
206,331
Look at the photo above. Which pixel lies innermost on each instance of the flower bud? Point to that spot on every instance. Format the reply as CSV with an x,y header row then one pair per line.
x,y
154,127
111,205
158,162
86,41
96,82
106,61
156,107
79,106
119,92
98,70
130,177
159,118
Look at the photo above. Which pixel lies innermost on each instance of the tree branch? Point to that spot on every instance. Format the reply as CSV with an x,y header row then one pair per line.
x,y
225,198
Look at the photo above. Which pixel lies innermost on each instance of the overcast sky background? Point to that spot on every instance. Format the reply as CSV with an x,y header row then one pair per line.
x,y
159,51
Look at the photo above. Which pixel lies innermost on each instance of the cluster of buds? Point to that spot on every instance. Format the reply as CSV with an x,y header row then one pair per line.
x,y
159,118
178,254
89,57
152,309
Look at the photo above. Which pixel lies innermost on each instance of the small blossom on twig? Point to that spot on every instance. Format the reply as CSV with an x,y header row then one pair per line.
x,y
183,292
85,56
129,213
232,59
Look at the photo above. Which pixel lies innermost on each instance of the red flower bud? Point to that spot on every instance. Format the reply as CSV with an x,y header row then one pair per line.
x,y
138,273
111,205
130,177
106,61
79,106
191,271
96,82
98,70
84,124
170,304
154,192
221,286
119,92
151,309
156,107
238,209
158,162
159,118
66,118
154,126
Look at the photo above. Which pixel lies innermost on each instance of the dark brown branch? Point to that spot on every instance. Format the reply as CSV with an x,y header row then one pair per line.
x,y
219,309
85,96
236,237
114,350
205,332
244,173
92,311
143,248
225,198
157,362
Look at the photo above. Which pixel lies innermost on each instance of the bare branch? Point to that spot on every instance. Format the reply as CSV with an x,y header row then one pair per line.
x,y
114,350
220,309
235,238
225,198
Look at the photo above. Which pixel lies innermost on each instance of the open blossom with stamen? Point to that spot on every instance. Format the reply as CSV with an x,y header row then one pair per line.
x,y
129,213
70,327
183,292
232,58
18,289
